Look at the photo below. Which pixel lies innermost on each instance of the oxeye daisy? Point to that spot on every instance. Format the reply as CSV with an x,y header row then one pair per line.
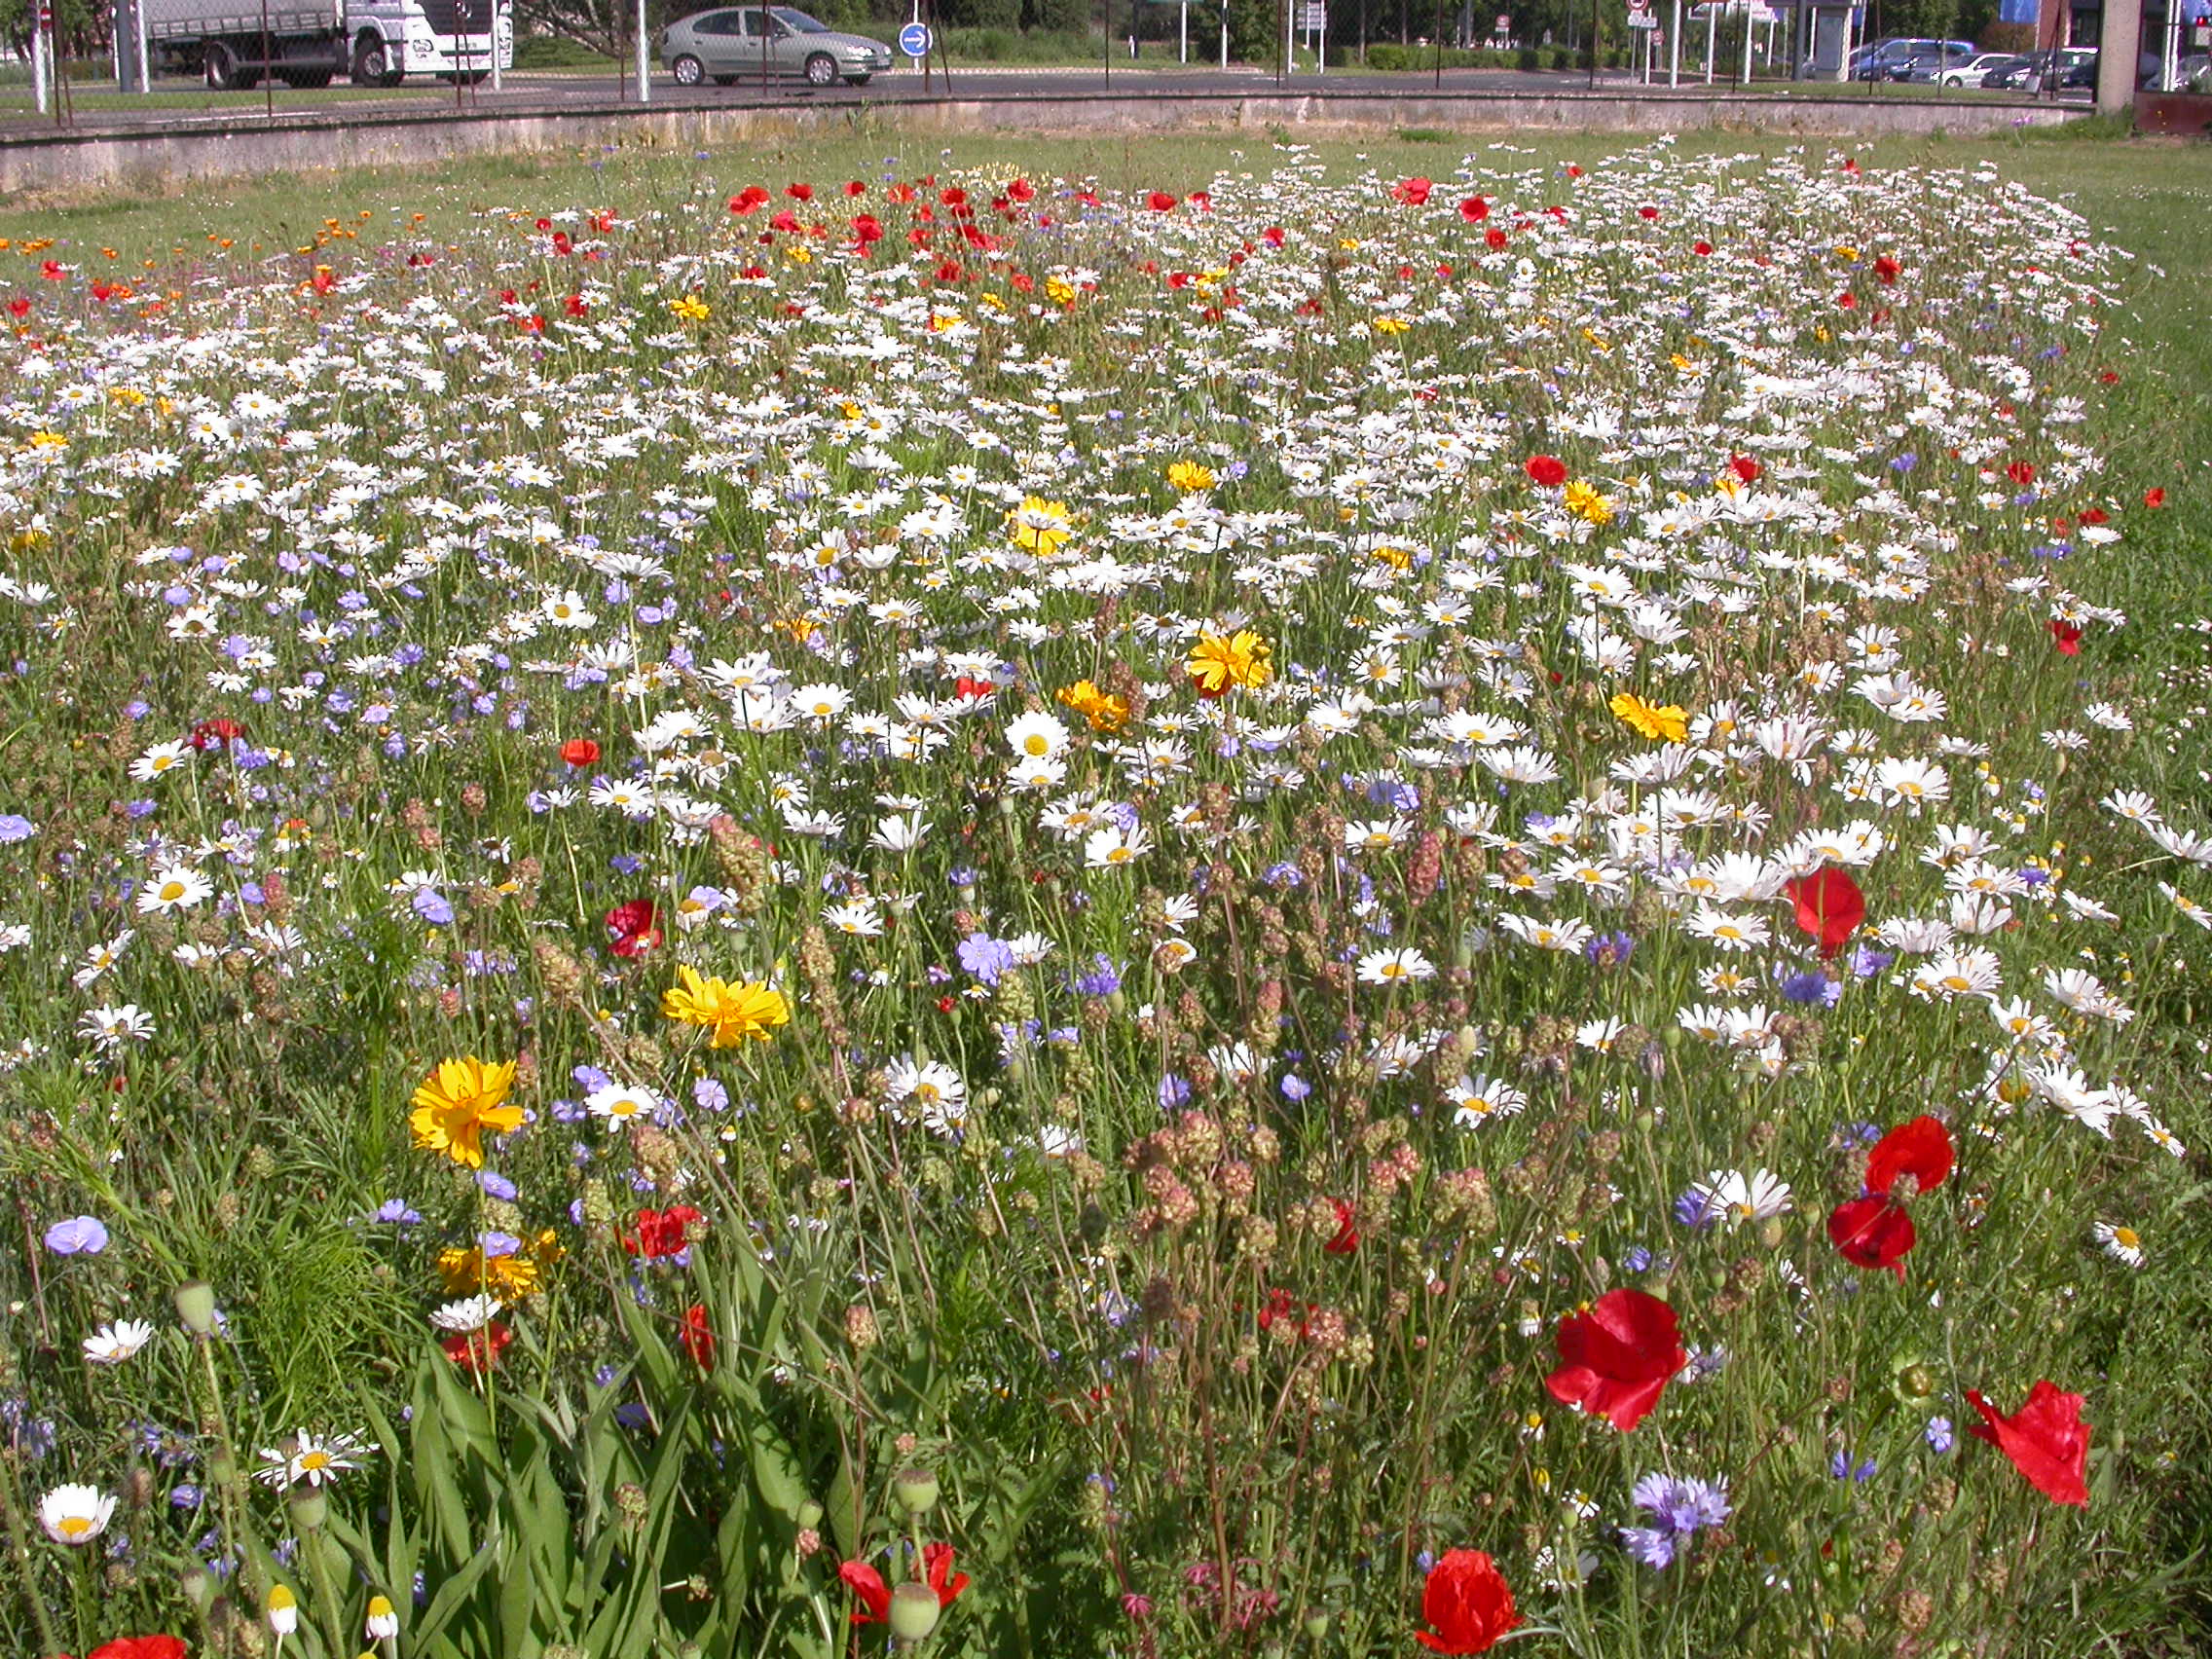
x,y
2121,1243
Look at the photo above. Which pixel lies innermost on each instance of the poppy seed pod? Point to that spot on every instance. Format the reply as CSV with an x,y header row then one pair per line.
x,y
914,1611
916,1491
195,1307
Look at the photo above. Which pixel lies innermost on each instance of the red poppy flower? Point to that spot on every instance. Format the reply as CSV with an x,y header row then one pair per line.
x,y
1620,1357
698,1336
1701,248
661,1233
1573,171
140,1647
216,733
1022,190
1921,1149
1847,301
1274,235
1647,213
1159,202
579,751
1474,210
799,192
868,1584
1874,1231
1745,468
477,1351
1495,237
1829,907
576,305
632,928
1346,1238
936,1562
2155,497
2066,636
1412,192
2045,1439
1468,1602
1887,269
1546,470
1280,1305
966,688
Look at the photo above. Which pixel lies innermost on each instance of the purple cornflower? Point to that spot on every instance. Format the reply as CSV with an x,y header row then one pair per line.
x,y
1938,1436
1841,1468
1679,1509
1103,981
1812,987
398,1212
1610,949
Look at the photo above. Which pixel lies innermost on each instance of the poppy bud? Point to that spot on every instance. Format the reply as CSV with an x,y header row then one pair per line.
x,y
195,1307
809,1514
309,1510
914,1611
197,1585
915,1489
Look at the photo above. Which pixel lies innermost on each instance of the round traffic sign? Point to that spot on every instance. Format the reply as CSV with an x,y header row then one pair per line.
x,y
915,40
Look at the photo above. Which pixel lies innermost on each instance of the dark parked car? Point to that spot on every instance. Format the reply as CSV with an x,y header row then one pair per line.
x,y
1928,63
2071,66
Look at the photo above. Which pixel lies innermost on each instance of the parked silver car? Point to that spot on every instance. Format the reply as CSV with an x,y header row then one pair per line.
x,y
774,40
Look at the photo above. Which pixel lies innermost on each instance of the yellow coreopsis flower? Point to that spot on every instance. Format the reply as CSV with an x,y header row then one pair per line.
x,y
732,1013
458,1102
1661,722
1060,290
690,308
1038,526
1588,503
516,1277
1219,662
1102,709
1189,476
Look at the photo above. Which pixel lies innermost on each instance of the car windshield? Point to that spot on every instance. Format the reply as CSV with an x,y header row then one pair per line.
x,y
798,22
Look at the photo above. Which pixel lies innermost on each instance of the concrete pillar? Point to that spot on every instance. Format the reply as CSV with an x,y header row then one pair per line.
x,y
2119,43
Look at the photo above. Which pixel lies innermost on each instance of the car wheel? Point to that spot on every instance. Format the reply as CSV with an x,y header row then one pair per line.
x,y
689,70
822,70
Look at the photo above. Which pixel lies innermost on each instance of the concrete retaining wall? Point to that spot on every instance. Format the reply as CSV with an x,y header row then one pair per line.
x,y
81,164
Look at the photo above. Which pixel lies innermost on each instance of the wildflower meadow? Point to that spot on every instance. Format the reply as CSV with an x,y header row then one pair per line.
x,y
1306,911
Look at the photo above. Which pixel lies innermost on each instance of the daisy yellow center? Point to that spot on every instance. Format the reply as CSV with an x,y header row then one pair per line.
x,y
172,891
73,1525
316,1461
2125,1238
1035,744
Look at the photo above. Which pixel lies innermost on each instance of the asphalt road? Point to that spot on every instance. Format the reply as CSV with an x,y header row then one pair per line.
x,y
182,102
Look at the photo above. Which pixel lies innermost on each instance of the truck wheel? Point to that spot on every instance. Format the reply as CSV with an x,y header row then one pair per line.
x,y
372,63
223,72
822,70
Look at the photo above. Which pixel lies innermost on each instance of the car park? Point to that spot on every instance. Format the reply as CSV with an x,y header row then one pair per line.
x,y
2044,71
732,43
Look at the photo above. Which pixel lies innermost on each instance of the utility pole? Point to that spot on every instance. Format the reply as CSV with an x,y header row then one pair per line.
x,y
1593,45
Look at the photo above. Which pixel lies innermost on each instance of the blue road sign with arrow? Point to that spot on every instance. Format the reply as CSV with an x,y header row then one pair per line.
x,y
915,40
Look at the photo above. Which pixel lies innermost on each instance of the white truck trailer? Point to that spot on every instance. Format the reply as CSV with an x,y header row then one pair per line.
x,y
234,42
